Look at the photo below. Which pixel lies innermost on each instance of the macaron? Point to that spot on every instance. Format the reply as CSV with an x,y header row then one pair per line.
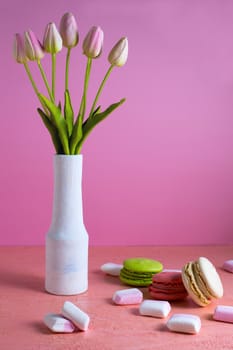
x,y
139,271
168,285
202,281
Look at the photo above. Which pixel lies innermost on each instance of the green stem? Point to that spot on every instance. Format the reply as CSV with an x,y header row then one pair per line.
x,y
53,74
86,81
67,69
45,80
77,130
101,88
34,85
31,79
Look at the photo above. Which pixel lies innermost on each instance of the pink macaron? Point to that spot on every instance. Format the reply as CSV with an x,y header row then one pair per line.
x,y
168,285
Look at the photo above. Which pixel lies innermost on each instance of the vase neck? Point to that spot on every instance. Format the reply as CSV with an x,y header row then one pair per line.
x,y
67,199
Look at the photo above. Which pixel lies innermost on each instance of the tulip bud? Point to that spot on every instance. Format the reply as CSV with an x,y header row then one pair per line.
x,y
119,53
19,49
69,30
93,42
52,41
33,48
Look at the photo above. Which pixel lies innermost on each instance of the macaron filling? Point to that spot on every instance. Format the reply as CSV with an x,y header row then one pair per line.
x,y
190,274
200,281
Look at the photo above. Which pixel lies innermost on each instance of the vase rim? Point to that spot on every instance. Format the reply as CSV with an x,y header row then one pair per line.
x,y
67,155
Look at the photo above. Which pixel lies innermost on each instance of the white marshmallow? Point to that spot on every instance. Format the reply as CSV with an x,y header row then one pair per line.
x,y
111,269
75,315
155,308
58,324
172,270
127,296
184,323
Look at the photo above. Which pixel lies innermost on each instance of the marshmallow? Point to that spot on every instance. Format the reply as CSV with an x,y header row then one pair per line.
x,y
223,313
172,270
228,265
127,296
111,269
58,324
184,323
155,308
75,315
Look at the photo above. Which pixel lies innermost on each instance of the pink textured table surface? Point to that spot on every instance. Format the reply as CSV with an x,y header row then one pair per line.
x,y
23,304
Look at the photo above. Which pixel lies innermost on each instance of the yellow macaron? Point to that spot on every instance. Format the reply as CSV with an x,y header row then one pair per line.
x,y
202,281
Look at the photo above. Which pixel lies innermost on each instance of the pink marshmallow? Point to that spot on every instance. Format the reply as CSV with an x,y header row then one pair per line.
x,y
58,324
228,265
223,313
127,296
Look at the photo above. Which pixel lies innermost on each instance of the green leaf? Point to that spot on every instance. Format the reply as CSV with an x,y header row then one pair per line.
x,y
59,105
95,119
58,121
68,112
96,111
77,134
52,130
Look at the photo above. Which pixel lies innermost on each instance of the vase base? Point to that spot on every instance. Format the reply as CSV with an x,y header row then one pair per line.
x,y
63,292
72,283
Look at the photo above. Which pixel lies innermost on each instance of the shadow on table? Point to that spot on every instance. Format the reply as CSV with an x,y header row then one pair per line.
x,y
19,280
100,276
162,328
38,326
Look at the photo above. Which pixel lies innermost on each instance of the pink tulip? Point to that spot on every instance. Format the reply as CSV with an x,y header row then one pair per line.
x,y
69,30
19,49
119,53
93,42
52,41
33,48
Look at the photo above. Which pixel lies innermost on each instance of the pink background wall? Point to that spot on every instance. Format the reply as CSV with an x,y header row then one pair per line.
x,y
160,169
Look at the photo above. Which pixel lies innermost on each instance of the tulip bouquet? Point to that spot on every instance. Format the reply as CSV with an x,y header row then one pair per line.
x,y
67,131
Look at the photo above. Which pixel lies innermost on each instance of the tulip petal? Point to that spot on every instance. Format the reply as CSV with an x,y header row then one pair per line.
x,y
69,30
19,49
33,47
93,42
52,41
119,53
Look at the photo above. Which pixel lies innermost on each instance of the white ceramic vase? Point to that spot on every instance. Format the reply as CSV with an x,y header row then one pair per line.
x,y
67,239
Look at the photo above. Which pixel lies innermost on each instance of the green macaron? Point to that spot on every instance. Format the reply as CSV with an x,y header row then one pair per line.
x,y
139,271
